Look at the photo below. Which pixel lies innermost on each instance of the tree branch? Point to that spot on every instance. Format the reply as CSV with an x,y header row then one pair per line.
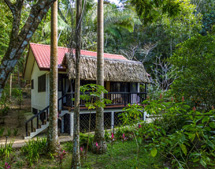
x,y
18,43
61,14
10,5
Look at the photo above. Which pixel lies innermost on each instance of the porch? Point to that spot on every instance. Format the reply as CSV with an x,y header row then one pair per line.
x,y
118,100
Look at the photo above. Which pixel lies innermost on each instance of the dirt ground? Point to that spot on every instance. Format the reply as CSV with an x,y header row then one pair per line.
x,y
15,119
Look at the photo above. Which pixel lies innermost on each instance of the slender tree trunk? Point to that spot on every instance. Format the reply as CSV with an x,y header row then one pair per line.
x,y
99,131
76,147
53,143
18,77
11,82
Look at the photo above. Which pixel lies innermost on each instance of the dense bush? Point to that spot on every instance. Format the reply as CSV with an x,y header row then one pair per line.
x,y
186,142
194,60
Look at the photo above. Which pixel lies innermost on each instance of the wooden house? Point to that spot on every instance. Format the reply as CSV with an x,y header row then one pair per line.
x,y
122,78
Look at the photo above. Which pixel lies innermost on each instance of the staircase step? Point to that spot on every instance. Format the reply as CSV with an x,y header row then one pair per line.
x,y
33,134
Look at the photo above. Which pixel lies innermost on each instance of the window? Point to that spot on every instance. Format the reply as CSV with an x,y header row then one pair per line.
x,y
42,83
32,84
119,87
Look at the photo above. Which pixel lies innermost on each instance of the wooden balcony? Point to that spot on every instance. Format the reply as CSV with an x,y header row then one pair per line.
x,y
119,99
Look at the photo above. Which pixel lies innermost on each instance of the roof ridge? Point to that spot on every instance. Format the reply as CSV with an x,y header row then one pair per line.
x,y
81,49
47,45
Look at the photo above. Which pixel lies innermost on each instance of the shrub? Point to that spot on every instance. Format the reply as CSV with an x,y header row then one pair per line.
x,y
84,138
2,131
189,144
15,132
8,132
5,150
194,63
69,146
107,135
33,149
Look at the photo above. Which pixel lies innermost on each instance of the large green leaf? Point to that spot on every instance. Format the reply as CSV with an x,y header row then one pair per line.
x,y
154,152
183,148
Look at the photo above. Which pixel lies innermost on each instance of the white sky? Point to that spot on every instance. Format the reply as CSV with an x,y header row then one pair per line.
x,y
114,1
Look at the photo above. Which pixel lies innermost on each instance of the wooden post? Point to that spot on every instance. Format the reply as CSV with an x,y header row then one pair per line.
x,y
71,124
112,119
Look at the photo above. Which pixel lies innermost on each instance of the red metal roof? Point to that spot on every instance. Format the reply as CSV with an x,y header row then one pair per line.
x,y
42,55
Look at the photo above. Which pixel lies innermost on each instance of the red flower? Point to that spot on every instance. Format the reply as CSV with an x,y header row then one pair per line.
x,y
112,136
139,126
123,136
172,99
182,98
194,108
161,96
97,144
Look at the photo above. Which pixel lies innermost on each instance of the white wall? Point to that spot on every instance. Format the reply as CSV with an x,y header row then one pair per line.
x,y
39,100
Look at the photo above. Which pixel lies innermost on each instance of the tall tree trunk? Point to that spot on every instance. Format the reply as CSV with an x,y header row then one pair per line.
x,y
53,143
76,136
99,131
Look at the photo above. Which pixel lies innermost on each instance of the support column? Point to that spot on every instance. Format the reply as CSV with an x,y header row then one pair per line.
x,y
144,115
71,124
112,120
138,87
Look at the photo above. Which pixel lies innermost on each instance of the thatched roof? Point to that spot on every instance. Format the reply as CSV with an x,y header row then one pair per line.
x,y
114,69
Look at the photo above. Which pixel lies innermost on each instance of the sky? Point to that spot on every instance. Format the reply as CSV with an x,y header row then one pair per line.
x,y
114,1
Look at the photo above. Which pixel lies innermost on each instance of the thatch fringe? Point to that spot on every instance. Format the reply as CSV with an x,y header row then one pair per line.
x,y
114,70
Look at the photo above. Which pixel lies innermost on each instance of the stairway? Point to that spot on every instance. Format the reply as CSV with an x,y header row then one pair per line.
x,y
40,121
39,130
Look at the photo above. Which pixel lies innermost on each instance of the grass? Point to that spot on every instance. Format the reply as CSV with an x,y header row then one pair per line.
x,y
122,155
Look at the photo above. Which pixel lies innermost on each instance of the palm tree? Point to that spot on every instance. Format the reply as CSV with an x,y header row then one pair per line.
x,y
52,139
99,131
76,137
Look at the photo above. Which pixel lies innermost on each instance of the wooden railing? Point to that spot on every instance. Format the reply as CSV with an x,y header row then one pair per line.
x,y
117,98
42,116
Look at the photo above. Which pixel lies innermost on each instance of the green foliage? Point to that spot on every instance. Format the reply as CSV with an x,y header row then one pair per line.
x,y
33,149
194,60
4,100
8,132
107,135
4,111
132,114
6,150
92,95
150,10
208,23
5,26
190,142
84,140
2,131
68,146
15,131
18,94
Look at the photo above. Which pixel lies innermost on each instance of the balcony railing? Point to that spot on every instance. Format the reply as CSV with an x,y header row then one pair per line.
x,y
117,98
